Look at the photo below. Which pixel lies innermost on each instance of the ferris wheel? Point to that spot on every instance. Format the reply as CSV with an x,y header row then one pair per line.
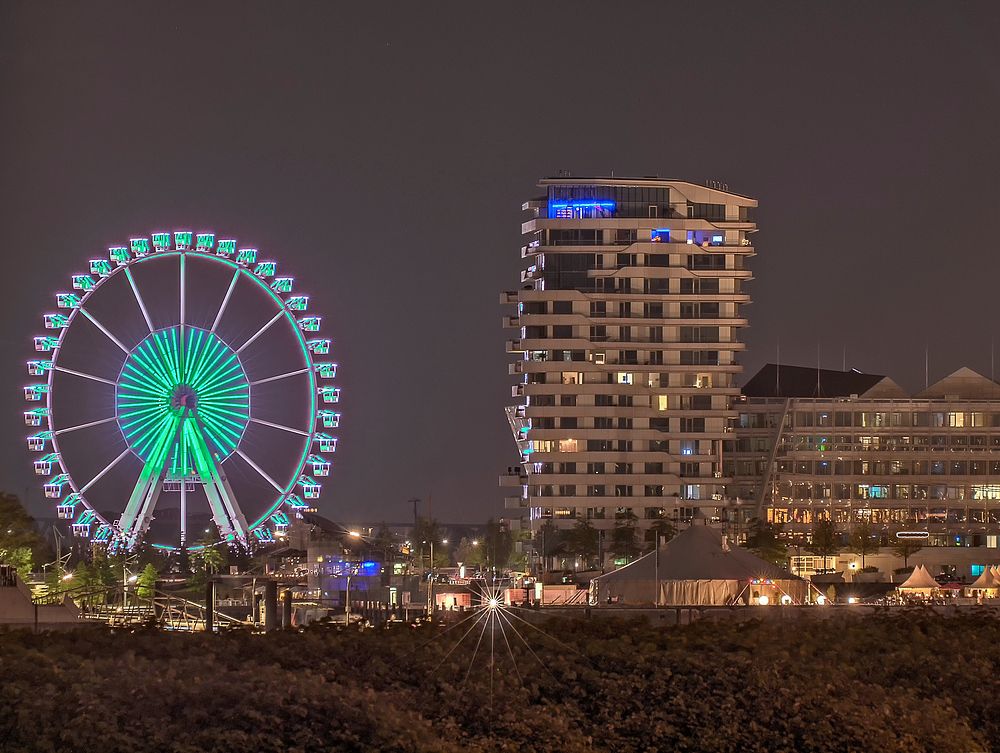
x,y
183,383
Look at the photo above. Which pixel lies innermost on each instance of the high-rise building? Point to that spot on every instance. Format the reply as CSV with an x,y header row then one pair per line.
x,y
627,341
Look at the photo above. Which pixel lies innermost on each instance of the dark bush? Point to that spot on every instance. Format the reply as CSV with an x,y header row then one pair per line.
x,y
893,684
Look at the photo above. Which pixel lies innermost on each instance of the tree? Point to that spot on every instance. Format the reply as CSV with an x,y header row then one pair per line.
x,y
19,558
469,554
498,543
384,543
623,540
20,542
825,540
582,540
863,541
764,541
552,540
425,531
146,583
207,560
662,529
906,547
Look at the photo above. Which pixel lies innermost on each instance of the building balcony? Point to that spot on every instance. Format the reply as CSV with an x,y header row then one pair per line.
x,y
508,297
513,476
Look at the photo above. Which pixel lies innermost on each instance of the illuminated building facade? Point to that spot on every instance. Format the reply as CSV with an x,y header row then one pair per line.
x,y
849,447
626,338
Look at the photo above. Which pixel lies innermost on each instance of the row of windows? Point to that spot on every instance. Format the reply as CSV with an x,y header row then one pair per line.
x,y
599,333
869,419
689,447
884,515
622,310
688,491
822,491
891,467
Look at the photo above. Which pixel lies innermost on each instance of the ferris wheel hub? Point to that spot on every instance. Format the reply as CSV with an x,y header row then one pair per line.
x,y
184,398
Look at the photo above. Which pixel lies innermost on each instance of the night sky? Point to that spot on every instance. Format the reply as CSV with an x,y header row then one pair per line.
x,y
381,151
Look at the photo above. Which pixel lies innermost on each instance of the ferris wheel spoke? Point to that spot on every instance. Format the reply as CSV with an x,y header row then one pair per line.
x,y
152,367
225,301
64,370
68,429
183,301
260,470
289,429
107,468
103,329
138,298
262,330
280,376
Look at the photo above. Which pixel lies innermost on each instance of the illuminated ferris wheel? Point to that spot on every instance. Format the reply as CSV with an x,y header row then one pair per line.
x,y
183,384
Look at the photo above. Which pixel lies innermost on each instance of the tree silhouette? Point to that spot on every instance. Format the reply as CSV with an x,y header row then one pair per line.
x,y
863,541
906,547
763,539
825,540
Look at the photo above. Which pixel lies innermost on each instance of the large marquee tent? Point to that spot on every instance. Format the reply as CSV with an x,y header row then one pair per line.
x,y
699,567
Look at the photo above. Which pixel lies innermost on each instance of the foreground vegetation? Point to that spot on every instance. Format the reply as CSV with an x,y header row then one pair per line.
x,y
905,683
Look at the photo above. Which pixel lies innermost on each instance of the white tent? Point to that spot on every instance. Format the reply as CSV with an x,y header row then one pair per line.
x,y
920,581
985,580
698,567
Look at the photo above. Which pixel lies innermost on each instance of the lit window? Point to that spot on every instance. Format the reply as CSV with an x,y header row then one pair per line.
x,y
986,491
660,235
977,570
661,402
624,377
599,357
567,445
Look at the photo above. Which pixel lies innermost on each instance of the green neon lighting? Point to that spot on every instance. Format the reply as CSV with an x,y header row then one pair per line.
x,y
282,284
265,269
119,255
67,300
161,241
247,256
204,241
100,267
226,248
169,373
83,282
140,246
182,240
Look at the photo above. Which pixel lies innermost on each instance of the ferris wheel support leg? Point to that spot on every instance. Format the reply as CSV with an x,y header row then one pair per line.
x,y
139,511
183,512
225,509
